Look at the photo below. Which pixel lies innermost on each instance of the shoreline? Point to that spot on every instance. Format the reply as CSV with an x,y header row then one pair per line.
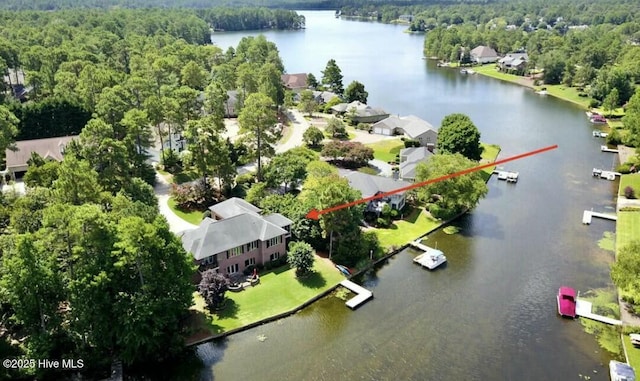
x,y
327,292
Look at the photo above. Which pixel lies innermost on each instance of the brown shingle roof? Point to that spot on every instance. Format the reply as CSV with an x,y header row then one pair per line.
x,y
49,148
295,81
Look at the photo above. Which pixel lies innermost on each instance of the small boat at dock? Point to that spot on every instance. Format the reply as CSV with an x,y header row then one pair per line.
x,y
430,258
566,302
344,270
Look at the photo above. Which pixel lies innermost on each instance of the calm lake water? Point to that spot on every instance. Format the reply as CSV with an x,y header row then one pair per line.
x,y
490,314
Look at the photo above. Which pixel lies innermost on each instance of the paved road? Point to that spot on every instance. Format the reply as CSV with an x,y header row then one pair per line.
x,y
299,125
177,224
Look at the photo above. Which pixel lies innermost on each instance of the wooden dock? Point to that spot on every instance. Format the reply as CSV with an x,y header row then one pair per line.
x,y
588,214
362,294
607,149
420,246
511,177
606,175
583,308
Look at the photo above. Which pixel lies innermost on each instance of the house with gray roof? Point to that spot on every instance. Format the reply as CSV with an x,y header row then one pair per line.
x,y
483,54
409,160
237,236
371,185
514,62
49,148
411,126
360,112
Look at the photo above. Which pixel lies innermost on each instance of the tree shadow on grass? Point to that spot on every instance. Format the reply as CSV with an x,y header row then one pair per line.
x,y
314,280
199,326
413,215
230,310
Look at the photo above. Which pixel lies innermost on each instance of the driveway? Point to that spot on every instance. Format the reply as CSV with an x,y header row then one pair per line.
x,y
162,191
299,125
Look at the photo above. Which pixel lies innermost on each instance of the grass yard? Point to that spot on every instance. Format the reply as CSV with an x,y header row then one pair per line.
x,y
568,94
632,180
191,217
386,150
632,352
279,291
402,231
627,228
491,71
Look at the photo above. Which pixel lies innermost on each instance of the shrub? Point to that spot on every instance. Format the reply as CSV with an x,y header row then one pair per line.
x,y
206,214
583,95
246,179
594,103
171,161
408,143
629,192
382,222
193,196
362,126
624,168
614,137
394,214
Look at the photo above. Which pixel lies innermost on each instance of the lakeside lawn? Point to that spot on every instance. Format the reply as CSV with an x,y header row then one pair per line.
x,y
632,180
279,291
491,71
633,353
191,217
627,228
419,220
386,150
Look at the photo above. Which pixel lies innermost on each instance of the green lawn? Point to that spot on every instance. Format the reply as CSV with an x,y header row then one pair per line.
x,y
632,352
632,180
568,94
627,228
279,291
401,232
491,71
615,123
386,150
191,217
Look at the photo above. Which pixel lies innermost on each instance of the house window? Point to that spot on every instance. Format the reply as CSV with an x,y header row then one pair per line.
x,y
274,256
251,246
249,262
210,260
233,269
274,241
235,251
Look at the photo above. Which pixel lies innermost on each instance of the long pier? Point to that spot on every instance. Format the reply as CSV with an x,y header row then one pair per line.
x,y
588,214
583,308
362,294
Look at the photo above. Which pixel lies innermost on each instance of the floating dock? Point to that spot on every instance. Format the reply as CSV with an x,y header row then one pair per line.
x,y
606,175
420,246
583,308
607,149
599,134
511,177
362,294
588,214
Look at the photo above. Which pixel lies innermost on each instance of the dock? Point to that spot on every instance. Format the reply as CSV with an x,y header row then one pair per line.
x,y
583,308
362,294
606,175
607,149
420,246
511,177
588,214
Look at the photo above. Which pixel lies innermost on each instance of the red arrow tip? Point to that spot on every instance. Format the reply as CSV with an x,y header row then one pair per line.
x,y
313,214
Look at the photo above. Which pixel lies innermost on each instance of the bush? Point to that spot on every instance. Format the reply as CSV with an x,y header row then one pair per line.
x,y
614,137
629,192
382,222
594,103
408,143
206,214
394,214
624,168
171,161
193,196
583,95
246,179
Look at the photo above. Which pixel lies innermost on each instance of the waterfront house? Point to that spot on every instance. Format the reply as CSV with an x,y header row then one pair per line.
x,y
411,126
296,82
514,62
483,54
371,185
409,160
237,236
360,112
49,148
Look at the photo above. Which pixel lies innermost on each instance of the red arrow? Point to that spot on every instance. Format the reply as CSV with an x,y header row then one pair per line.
x,y
315,214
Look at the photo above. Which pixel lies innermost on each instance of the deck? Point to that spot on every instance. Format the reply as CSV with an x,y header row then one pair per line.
x,y
511,177
588,214
606,175
362,294
607,149
583,308
420,246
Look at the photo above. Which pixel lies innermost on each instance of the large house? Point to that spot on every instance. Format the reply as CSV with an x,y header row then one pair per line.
x,y
48,148
295,82
514,62
409,160
371,185
236,237
483,54
411,126
360,112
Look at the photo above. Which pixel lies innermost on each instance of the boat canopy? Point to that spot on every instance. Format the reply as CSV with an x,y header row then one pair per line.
x,y
568,291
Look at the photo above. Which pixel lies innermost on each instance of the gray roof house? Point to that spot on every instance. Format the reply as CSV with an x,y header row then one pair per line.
x,y
360,112
48,148
514,61
371,185
237,237
483,54
411,126
409,160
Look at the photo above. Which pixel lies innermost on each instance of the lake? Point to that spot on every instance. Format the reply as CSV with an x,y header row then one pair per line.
x,y
490,314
